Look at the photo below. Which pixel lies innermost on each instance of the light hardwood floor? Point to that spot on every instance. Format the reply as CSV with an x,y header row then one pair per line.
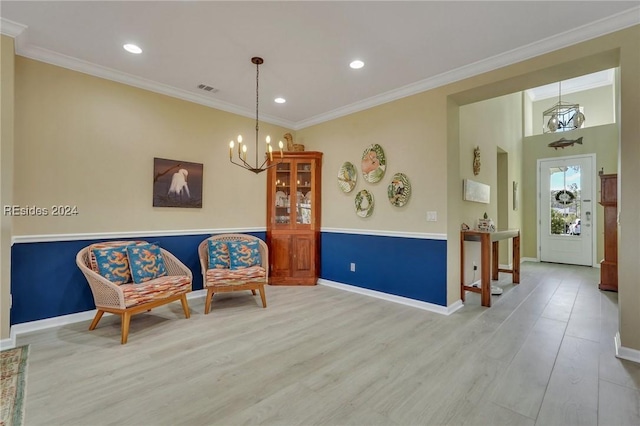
x,y
542,355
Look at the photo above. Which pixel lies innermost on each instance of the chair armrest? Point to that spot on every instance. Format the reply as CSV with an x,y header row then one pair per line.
x,y
105,293
174,266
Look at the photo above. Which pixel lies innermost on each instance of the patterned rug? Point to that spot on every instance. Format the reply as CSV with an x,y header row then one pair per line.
x,y
14,374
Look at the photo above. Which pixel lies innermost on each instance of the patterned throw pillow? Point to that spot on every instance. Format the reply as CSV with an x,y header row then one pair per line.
x,y
113,264
218,255
146,262
244,254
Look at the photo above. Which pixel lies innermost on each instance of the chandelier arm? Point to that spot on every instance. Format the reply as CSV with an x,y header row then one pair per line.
x,y
257,103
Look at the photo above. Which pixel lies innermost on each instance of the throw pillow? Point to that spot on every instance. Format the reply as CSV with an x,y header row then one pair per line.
x,y
244,254
218,255
146,262
113,264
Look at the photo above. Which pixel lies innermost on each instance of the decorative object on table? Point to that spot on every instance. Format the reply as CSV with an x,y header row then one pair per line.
x,y
347,177
562,116
464,227
485,224
374,163
562,143
399,190
177,183
364,203
515,195
242,149
476,191
12,385
476,161
295,147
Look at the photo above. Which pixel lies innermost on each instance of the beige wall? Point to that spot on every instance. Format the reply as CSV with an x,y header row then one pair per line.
x,y
495,126
410,131
601,140
88,142
6,177
628,194
598,107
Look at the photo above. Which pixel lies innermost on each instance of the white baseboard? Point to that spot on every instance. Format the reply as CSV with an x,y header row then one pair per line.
x,y
503,266
443,310
31,326
529,259
626,353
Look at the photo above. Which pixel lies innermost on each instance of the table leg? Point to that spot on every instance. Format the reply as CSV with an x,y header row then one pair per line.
x,y
495,254
485,259
462,267
516,259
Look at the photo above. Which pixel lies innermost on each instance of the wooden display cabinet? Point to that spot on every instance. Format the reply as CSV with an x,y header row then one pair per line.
x,y
609,199
293,218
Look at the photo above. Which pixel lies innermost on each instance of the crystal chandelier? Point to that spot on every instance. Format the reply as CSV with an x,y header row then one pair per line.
x,y
242,148
562,116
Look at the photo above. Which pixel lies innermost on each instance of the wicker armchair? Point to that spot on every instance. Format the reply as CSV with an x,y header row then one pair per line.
x,y
129,299
228,280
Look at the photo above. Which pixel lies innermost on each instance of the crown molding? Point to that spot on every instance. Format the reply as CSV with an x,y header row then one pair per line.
x,y
586,32
64,61
11,28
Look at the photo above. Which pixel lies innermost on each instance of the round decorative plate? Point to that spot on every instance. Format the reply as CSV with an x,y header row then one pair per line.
x,y
374,163
347,177
364,203
399,190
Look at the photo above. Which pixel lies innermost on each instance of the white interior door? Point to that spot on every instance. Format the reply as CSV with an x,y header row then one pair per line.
x,y
566,210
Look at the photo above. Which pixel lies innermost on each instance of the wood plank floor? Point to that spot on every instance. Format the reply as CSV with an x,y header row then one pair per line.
x,y
542,355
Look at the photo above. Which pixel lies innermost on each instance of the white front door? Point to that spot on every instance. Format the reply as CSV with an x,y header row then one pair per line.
x,y
566,209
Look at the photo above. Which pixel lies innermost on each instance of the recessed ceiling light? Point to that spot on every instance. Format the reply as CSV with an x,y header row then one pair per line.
x,y
356,65
280,100
132,48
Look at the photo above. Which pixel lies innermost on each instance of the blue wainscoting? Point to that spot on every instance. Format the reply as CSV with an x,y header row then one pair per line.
x,y
46,282
415,268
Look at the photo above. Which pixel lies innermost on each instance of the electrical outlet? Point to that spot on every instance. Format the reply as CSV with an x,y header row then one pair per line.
x,y
353,267
475,267
432,216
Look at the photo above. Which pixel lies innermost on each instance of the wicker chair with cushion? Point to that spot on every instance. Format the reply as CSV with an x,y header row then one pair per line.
x,y
129,277
233,262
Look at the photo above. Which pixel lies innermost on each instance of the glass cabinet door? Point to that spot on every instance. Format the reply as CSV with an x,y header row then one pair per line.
x,y
303,196
282,198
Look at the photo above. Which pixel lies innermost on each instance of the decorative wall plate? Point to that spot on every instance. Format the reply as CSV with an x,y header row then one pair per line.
x,y
399,190
347,177
374,163
364,203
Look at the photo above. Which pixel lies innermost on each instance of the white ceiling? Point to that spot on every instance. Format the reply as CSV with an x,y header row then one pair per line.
x,y
407,46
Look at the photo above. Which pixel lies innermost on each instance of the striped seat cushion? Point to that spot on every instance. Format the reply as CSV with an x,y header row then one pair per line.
x,y
225,277
158,288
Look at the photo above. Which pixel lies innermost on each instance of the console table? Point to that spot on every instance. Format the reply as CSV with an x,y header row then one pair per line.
x,y
489,260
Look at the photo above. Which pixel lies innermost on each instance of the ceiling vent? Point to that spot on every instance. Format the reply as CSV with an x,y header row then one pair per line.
x,y
207,88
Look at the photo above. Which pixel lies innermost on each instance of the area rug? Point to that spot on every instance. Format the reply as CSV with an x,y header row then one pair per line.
x,y
14,374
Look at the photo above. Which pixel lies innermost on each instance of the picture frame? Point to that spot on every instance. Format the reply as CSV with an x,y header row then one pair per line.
x,y
177,183
476,192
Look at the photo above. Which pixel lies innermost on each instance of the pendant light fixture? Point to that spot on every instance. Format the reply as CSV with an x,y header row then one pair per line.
x,y
562,116
242,148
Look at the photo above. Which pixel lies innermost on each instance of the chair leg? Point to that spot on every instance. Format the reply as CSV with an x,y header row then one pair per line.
x,y
126,318
253,292
96,319
207,302
262,296
185,306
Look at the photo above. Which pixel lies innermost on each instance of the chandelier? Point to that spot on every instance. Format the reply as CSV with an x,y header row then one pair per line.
x,y
562,116
242,148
